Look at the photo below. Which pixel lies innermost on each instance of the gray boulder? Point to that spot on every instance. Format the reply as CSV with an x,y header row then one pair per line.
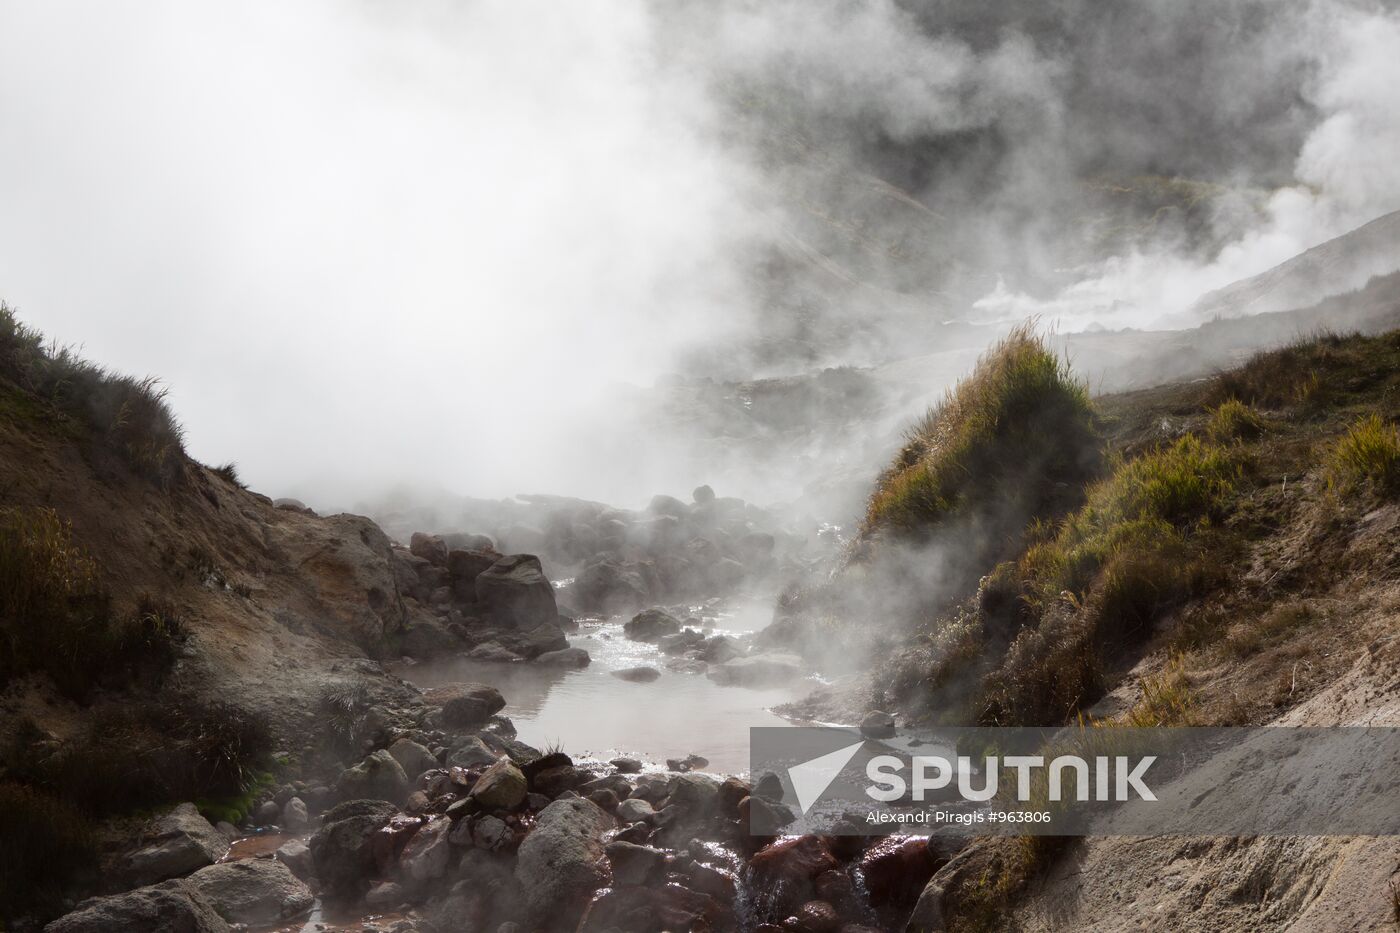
x,y
342,850
179,841
501,786
651,625
413,758
296,855
294,817
253,891
607,586
472,754
426,638
567,657
465,705
563,862
426,856
429,547
175,906
377,777
634,864
514,591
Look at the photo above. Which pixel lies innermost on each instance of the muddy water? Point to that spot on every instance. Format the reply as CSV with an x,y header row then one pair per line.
x,y
590,713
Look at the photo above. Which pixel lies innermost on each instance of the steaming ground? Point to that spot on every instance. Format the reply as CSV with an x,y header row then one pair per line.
x,y
472,248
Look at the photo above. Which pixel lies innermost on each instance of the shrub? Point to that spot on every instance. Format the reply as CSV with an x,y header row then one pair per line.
x,y
1019,426
1234,420
56,617
125,415
1366,457
44,843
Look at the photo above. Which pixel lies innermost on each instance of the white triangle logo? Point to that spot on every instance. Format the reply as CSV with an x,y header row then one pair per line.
x,y
811,778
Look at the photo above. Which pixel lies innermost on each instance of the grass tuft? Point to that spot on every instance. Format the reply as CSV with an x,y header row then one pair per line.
x,y
1021,422
229,473
125,415
1366,458
1234,420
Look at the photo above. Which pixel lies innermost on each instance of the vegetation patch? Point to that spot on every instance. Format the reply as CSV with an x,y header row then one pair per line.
x,y
56,617
1020,428
1367,458
126,416
1233,420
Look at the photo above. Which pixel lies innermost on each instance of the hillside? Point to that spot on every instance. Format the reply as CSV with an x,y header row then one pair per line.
x,y
1233,561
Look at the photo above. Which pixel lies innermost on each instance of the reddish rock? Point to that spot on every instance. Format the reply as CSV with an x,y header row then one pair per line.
x,y
896,869
389,840
651,909
814,917
784,872
731,792
708,880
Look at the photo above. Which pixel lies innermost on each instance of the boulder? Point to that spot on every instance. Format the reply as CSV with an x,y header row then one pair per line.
x,y
296,855
654,908
472,754
540,640
635,810
816,916
254,892
176,906
413,758
464,566
465,705
626,765
719,650
607,586
760,670
634,864
429,547
681,642
651,625
896,869
567,657
702,495
637,675
377,777
514,591
386,895
877,725
668,505
426,854
787,869
294,817
342,850
426,638
562,862
178,842
501,786
495,653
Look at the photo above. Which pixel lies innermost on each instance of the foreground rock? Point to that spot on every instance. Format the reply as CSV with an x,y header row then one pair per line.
x,y
563,861
342,850
175,906
514,591
253,891
465,705
180,841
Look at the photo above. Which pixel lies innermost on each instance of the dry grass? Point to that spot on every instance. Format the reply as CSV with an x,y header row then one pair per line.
x,y
124,415
1020,427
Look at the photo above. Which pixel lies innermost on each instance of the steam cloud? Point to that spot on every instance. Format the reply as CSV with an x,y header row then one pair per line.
x,y
426,242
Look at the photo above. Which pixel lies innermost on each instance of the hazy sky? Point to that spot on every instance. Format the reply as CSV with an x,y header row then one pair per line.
x,y
419,242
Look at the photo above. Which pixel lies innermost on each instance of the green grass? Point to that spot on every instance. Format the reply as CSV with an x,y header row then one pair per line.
x,y
56,616
1234,420
124,415
1020,428
1367,458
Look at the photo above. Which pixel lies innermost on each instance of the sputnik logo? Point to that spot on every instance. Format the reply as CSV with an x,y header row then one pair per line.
x,y
811,778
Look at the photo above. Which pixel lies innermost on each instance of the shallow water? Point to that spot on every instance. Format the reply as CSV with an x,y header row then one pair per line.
x,y
590,713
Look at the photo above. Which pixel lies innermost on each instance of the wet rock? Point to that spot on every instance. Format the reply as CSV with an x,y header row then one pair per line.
x,y
384,896
178,842
253,891
429,547
175,905
609,587
764,817
651,625
626,765
761,670
696,795
390,840
710,880
878,725
294,817
634,832
413,758
680,643
471,754
465,705
652,788
514,591
637,675
426,855
688,763
634,810
567,657
732,791
897,868
559,780
562,862
719,650
654,908
814,917
500,787
342,849
634,864
377,777
296,855
786,869
426,638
